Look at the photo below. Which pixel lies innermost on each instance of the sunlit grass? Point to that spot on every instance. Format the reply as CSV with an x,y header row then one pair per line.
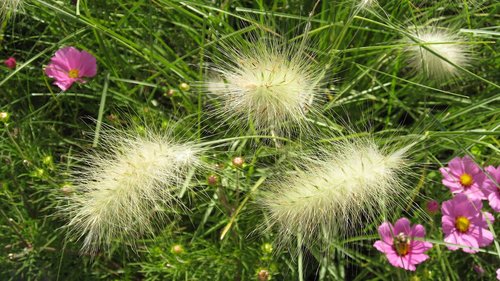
x,y
152,54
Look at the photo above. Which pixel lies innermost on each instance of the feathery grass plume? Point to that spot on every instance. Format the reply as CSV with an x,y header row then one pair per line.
x,y
334,194
8,7
437,52
125,187
266,83
366,4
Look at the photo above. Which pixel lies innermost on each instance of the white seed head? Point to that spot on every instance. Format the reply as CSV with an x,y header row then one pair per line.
x,y
266,83
352,185
122,191
448,47
366,4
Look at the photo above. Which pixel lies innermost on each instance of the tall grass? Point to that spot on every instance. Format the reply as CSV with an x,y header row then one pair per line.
x,y
146,49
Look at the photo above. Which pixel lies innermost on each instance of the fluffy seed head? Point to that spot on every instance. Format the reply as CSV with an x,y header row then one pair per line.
x,y
366,4
268,84
441,42
125,188
352,184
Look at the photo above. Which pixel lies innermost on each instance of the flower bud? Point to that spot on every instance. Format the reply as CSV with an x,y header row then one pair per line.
x,y
10,63
432,207
177,249
238,161
213,180
4,116
184,86
170,93
267,248
263,275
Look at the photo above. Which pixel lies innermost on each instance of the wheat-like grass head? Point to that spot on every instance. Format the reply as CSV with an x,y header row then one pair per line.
x,y
333,195
441,42
366,4
270,84
123,190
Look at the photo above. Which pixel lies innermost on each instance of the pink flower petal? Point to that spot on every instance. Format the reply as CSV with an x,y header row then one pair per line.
x,y
401,262
417,258
419,247
64,84
456,165
385,232
62,57
384,247
56,71
473,192
73,57
417,231
88,65
493,175
471,241
488,216
454,186
448,224
447,208
466,206
494,200
402,226
455,240
483,236
469,166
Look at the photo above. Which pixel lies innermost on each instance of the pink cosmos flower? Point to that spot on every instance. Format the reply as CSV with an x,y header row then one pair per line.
x,y
69,65
10,62
492,187
498,274
399,246
464,176
464,224
432,206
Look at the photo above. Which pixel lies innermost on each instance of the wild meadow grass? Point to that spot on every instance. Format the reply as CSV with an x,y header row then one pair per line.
x,y
248,140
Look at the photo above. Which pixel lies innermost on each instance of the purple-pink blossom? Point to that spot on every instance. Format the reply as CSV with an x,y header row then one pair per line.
x,y
432,206
492,187
464,224
399,245
10,62
463,175
69,65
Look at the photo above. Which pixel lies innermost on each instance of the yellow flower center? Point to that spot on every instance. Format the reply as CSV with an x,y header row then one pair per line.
x,y
462,224
402,244
466,180
73,73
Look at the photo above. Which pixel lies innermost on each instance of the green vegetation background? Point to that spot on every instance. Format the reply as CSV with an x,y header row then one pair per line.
x,y
145,48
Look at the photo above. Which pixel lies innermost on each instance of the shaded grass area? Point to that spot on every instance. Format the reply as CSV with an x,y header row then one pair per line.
x,y
146,48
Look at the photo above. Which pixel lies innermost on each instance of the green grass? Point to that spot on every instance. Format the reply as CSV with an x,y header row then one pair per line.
x,y
144,48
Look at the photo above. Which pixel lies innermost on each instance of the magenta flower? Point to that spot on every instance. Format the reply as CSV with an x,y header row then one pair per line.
x,y
464,176
492,187
432,206
399,246
10,63
464,224
69,65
